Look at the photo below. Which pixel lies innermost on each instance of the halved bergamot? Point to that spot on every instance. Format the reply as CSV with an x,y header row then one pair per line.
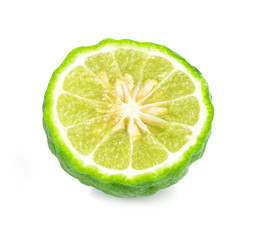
x,y
127,117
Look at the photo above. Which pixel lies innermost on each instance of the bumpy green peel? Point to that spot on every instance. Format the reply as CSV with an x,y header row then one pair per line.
x,y
119,184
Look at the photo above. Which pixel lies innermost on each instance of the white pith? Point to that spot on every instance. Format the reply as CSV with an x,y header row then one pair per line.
x,y
132,109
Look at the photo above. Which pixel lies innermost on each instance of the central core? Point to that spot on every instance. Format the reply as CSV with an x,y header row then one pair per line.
x,y
130,109
129,104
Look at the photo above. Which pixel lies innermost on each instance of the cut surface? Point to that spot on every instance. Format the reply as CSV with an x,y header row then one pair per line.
x,y
126,117
127,109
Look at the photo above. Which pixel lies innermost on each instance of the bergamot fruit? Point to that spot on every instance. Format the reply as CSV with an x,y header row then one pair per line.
x,y
127,117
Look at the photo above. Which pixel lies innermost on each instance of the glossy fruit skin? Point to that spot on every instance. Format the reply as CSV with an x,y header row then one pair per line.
x,y
119,185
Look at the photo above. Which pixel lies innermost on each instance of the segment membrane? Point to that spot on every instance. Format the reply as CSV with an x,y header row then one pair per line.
x,y
72,109
173,137
157,68
115,151
82,82
177,85
131,62
147,152
85,136
185,111
104,62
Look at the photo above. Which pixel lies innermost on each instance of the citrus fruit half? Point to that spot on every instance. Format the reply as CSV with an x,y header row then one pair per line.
x,y
127,117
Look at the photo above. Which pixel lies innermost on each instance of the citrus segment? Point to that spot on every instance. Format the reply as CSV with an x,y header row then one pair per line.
x,y
176,85
147,152
84,83
85,136
72,109
115,151
131,62
185,111
173,137
157,68
105,62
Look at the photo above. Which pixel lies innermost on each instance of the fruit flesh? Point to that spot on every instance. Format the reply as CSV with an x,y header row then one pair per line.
x,y
127,109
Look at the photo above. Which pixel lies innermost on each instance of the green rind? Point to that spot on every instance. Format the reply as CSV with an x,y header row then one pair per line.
x,y
119,184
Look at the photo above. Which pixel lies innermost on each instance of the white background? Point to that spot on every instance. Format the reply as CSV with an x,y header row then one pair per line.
x,y
220,198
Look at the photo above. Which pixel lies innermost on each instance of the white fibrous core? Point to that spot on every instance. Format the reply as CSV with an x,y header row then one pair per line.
x,y
128,104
